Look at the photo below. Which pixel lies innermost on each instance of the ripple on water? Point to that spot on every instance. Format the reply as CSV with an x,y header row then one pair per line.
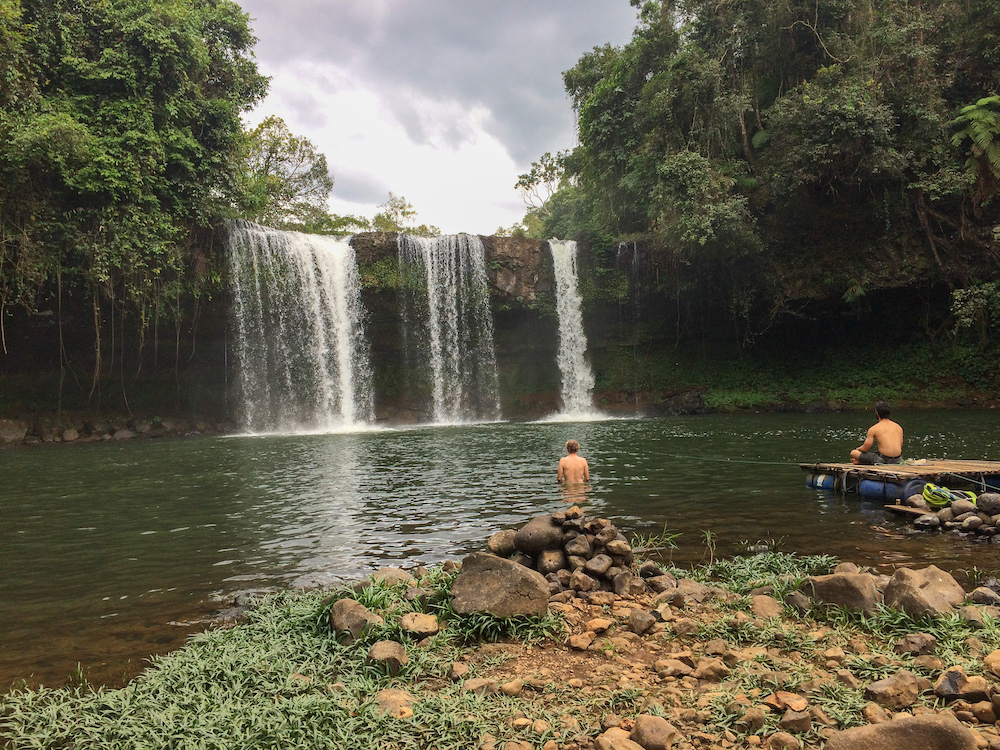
x,y
167,524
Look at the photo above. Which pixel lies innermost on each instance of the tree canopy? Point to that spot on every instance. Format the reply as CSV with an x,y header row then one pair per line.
x,y
833,142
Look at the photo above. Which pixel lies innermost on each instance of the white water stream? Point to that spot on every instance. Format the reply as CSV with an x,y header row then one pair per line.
x,y
577,377
448,325
303,360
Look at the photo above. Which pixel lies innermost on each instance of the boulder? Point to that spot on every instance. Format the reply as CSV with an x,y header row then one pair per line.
x,y
783,741
939,732
919,593
579,547
419,624
955,684
619,547
598,565
992,662
661,583
351,618
12,431
650,569
395,703
69,435
983,595
654,732
641,621
896,692
388,654
795,721
853,591
502,543
616,739
929,521
500,587
580,581
392,576
764,606
711,670
916,644
537,535
989,502
961,507
550,561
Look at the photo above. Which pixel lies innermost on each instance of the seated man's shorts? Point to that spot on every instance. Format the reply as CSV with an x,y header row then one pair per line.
x,y
874,458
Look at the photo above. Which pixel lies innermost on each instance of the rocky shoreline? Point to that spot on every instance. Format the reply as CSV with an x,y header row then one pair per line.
x,y
66,429
559,636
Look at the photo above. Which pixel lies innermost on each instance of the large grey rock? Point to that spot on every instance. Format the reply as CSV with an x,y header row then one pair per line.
x,y
499,587
940,732
854,591
351,618
662,582
919,593
598,565
929,521
579,547
537,535
989,502
12,431
960,507
955,683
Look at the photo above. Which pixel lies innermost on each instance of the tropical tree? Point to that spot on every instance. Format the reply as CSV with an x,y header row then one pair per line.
x,y
396,215
120,143
287,178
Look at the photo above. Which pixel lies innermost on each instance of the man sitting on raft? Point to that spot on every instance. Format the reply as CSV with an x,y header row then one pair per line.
x,y
887,434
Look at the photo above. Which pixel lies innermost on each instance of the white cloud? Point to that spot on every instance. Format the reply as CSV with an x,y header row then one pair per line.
x,y
443,102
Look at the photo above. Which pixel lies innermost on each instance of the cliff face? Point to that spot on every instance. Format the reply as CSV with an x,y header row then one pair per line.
x,y
518,268
657,332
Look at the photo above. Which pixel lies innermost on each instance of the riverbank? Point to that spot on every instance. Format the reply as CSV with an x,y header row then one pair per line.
x,y
732,654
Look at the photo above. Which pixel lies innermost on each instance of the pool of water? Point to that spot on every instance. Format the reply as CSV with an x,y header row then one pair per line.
x,y
114,551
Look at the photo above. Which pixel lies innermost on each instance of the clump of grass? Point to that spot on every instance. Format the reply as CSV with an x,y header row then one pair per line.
x,y
781,570
280,679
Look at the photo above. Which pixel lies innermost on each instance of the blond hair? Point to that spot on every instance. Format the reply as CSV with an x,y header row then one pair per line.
x,y
572,446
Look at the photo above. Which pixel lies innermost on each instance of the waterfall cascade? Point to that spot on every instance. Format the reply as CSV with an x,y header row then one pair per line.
x,y
577,377
448,325
303,358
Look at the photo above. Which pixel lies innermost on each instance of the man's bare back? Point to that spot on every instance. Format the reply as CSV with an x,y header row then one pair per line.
x,y
573,468
885,434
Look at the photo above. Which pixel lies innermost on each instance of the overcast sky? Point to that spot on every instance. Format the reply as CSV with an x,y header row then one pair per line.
x,y
444,102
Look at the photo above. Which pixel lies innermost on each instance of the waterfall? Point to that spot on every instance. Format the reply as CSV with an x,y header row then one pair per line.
x,y
448,327
577,377
302,356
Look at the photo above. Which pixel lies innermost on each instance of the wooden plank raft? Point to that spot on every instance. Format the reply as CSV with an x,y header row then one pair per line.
x,y
952,473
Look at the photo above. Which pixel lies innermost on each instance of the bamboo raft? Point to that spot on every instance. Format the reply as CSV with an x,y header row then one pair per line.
x,y
889,481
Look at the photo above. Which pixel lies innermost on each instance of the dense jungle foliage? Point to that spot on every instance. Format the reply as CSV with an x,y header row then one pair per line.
x,y
120,144
769,154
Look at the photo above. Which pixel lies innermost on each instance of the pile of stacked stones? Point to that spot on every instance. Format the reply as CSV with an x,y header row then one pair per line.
x,y
981,517
572,552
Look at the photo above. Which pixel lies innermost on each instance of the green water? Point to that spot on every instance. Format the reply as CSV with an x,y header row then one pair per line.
x,y
114,551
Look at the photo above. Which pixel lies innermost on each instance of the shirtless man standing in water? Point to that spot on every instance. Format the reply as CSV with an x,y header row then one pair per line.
x,y
887,434
573,469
